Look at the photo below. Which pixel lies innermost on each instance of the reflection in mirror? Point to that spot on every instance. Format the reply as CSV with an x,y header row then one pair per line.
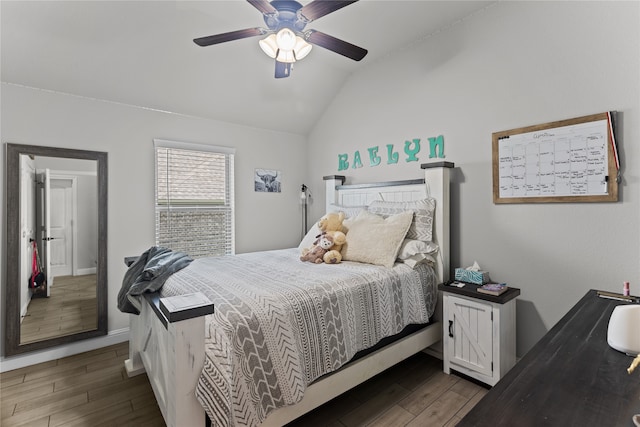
x,y
60,228
56,246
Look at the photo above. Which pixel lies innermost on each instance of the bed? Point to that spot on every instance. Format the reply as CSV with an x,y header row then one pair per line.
x,y
278,346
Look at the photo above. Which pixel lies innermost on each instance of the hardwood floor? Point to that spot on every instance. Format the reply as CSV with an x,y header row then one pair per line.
x,y
414,393
92,389
88,389
71,308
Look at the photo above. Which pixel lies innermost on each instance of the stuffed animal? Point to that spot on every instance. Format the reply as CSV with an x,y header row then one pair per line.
x,y
331,224
318,250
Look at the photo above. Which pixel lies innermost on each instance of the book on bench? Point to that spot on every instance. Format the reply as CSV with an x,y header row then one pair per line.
x,y
187,306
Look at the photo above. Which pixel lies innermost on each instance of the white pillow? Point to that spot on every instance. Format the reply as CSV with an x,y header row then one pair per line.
x,y
417,259
376,240
310,237
349,211
422,225
411,247
314,231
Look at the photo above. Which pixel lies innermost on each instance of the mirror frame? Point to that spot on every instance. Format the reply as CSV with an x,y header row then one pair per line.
x,y
12,290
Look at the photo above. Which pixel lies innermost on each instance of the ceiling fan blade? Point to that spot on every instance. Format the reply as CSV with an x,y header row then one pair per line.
x,y
263,6
319,8
336,45
227,37
283,69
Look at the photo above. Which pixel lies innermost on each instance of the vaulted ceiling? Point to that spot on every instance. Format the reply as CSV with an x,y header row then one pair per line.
x,y
141,53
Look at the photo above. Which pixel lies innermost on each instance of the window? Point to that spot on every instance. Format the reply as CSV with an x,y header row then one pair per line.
x,y
194,198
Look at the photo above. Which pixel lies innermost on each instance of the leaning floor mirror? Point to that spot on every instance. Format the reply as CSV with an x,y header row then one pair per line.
x,y
56,284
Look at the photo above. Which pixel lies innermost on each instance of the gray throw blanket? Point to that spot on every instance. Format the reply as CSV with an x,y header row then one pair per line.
x,y
149,273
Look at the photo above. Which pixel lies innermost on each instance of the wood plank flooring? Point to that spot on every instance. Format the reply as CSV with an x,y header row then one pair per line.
x,y
92,389
71,308
88,389
414,393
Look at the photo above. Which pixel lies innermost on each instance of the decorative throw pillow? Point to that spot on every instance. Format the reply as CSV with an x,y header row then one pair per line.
x,y
422,224
373,239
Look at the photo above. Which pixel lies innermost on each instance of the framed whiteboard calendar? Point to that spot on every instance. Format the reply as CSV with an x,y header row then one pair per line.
x,y
573,160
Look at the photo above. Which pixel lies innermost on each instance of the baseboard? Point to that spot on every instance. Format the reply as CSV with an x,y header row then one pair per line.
x,y
35,357
23,311
435,350
85,271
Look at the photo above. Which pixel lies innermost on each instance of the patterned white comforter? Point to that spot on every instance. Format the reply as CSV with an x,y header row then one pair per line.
x,y
280,323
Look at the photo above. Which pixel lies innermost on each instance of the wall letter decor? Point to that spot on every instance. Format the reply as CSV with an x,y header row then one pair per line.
x,y
411,154
374,159
392,158
436,142
357,163
411,149
343,164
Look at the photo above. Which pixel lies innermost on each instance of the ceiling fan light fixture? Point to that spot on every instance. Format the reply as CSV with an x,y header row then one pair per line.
x,y
286,39
286,56
302,48
273,49
269,45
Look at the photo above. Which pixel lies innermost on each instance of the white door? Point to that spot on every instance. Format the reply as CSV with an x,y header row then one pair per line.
x,y
27,226
60,230
46,242
43,230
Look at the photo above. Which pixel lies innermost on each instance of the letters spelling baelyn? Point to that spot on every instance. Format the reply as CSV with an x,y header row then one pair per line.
x,y
411,149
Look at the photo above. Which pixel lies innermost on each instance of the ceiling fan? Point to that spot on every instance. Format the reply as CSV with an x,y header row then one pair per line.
x,y
286,40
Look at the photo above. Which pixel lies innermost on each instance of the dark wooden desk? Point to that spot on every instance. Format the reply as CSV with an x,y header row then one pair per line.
x,y
571,377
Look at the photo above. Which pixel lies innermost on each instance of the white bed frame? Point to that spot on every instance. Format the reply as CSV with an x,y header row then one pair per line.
x,y
172,353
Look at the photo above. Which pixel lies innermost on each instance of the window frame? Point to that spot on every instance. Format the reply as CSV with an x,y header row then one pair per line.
x,y
184,205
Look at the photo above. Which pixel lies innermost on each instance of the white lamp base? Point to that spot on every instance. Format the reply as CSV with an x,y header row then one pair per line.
x,y
623,333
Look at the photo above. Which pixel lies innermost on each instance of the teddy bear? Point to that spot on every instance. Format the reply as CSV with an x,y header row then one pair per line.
x,y
331,223
320,247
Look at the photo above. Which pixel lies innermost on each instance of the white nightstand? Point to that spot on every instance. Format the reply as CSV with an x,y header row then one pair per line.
x,y
479,337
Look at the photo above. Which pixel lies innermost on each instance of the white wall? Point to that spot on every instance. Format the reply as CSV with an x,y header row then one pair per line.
x,y
87,223
515,64
263,220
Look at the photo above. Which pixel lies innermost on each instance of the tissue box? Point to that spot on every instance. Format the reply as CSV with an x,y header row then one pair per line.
x,y
469,276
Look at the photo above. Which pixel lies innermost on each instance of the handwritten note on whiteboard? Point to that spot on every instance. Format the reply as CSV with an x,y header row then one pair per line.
x,y
562,161
572,160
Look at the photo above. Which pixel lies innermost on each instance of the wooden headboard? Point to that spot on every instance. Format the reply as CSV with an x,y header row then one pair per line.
x,y
435,184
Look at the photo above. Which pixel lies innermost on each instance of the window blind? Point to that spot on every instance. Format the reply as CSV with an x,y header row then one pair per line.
x,y
194,198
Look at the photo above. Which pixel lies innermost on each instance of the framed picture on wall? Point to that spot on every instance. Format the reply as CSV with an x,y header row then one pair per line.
x,y
267,180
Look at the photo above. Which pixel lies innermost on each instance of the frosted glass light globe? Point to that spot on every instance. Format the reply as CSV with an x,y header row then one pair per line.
x,y
286,39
